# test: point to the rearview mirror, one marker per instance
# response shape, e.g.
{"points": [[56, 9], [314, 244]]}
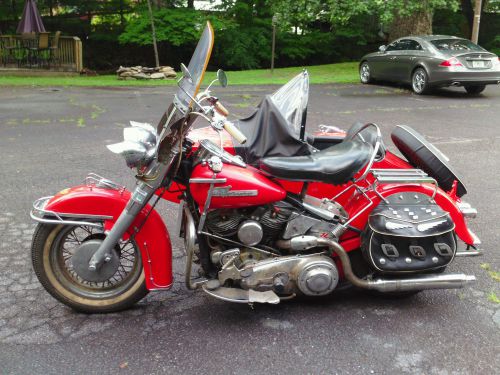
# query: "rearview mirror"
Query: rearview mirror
{"points": [[222, 77], [185, 72], [382, 48]]}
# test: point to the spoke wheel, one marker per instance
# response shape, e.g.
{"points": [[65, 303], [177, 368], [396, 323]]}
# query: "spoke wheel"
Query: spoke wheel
{"points": [[53, 252], [419, 81], [364, 73]]}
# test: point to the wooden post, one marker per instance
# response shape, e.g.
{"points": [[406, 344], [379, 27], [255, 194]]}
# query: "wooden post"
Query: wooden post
{"points": [[477, 21], [78, 54], [153, 31]]}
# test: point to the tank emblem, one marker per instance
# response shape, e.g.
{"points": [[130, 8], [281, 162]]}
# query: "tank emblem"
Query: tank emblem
{"points": [[225, 191]]}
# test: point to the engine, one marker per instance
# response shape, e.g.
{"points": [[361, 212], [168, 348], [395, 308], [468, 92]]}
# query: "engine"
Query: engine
{"points": [[257, 262], [252, 226]]}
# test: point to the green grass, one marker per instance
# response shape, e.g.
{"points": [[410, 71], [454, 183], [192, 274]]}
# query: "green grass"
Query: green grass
{"points": [[332, 73]]}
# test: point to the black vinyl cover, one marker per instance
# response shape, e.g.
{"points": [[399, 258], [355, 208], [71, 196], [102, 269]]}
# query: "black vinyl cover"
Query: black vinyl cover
{"points": [[269, 134], [422, 154]]}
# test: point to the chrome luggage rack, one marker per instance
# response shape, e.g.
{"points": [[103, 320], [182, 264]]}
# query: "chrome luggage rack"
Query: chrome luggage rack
{"points": [[403, 176]]}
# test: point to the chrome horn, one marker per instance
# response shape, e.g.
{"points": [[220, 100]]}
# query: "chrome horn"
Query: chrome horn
{"points": [[139, 144]]}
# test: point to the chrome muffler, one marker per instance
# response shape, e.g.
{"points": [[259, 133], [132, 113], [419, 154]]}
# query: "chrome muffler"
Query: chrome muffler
{"points": [[450, 281], [420, 282]]}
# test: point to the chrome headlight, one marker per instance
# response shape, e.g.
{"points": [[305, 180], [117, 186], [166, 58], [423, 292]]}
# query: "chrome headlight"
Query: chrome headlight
{"points": [[139, 145]]}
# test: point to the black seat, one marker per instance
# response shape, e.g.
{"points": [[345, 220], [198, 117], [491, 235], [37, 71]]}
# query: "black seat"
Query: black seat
{"points": [[335, 165]]}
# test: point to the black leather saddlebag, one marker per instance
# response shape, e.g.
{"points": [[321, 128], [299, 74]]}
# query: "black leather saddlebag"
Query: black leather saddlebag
{"points": [[409, 233]]}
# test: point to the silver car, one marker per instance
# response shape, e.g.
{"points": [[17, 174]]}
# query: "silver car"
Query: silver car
{"points": [[432, 61]]}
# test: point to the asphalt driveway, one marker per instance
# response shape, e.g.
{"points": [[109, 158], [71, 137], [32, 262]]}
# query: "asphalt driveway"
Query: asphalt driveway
{"points": [[50, 138]]}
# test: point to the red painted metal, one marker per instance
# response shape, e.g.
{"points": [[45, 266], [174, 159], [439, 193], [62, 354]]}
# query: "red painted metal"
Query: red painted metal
{"points": [[237, 178], [357, 202], [153, 239], [354, 203]]}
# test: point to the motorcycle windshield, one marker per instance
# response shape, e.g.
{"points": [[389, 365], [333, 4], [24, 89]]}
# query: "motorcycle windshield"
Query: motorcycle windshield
{"points": [[189, 87], [291, 100]]}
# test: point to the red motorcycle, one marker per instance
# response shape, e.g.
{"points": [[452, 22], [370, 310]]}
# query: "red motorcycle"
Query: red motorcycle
{"points": [[275, 214]]}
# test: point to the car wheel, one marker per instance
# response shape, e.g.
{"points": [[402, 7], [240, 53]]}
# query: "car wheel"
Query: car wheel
{"points": [[365, 73], [475, 90], [420, 81]]}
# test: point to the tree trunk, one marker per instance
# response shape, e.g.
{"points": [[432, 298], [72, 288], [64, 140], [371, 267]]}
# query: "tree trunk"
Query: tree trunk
{"points": [[190, 4], [418, 23], [13, 6], [153, 31]]}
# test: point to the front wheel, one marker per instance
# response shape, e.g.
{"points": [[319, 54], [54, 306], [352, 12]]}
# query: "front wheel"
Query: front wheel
{"points": [[420, 81], [57, 254], [475, 90]]}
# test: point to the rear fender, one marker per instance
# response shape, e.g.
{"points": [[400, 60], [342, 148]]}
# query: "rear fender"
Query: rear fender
{"points": [[358, 203], [153, 238]]}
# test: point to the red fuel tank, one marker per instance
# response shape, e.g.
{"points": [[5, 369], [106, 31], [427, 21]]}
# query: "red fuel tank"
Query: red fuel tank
{"points": [[243, 187]]}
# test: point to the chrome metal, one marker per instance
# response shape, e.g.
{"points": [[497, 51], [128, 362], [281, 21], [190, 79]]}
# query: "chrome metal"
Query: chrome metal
{"points": [[404, 176], [300, 243], [206, 207], [324, 214], [225, 191], [250, 232], [243, 296], [298, 225], [469, 253], [215, 163], [207, 180], [238, 243], [228, 256], [467, 210], [382, 261], [420, 282], [41, 215], [435, 259], [94, 179], [318, 278], [190, 244], [263, 274]]}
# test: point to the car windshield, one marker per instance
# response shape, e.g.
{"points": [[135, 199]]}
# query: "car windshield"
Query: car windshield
{"points": [[456, 45], [189, 87]]}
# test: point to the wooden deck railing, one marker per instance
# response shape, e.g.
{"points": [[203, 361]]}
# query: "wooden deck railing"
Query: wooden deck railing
{"points": [[68, 56]]}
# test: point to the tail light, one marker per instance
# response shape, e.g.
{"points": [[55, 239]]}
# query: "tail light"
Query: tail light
{"points": [[451, 62]]}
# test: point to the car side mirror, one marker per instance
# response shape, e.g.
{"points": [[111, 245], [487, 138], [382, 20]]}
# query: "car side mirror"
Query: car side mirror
{"points": [[382, 48]]}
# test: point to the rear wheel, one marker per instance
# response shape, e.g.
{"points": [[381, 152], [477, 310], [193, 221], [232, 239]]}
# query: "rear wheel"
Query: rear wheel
{"points": [[475, 89], [117, 285], [365, 73], [420, 81]]}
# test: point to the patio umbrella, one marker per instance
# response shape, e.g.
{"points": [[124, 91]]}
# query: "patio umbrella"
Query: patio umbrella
{"points": [[31, 20]]}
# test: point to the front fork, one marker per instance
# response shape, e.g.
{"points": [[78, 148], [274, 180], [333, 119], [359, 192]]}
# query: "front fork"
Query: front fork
{"points": [[139, 199]]}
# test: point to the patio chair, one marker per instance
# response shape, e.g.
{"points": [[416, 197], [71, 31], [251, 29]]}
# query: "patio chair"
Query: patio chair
{"points": [[9, 49], [54, 49], [28, 42], [41, 52]]}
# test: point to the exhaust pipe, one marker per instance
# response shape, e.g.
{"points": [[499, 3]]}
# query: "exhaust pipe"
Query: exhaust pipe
{"points": [[421, 282]]}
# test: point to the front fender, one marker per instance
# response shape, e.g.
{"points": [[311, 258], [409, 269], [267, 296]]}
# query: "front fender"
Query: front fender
{"points": [[153, 238], [358, 203]]}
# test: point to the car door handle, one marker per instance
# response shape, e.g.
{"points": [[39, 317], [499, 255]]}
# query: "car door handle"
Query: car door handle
{"points": [[412, 58], [392, 58]]}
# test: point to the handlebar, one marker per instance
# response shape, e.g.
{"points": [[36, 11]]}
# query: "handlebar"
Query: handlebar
{"points": [[221, 109], [235, 132]]}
